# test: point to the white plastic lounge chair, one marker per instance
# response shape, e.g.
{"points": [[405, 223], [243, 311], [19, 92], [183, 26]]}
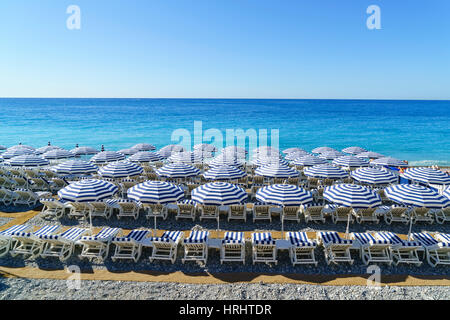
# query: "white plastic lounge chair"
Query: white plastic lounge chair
{"points": [[336, 249], [8, 197], [129, 246], [127, 208], [166, 246], [100, 209], [6, 239], [302, 248], [155, 210], [371, 249], [7, 183], [97, 246], [57, 184], [261, 211], [313, 212], [397, 213], [62, 245], [291, 213], [366, 215], [421, 215], [196, 246], [20, 182], [402, 251], [233, 247], [209, 212], [437, 251], [186, 209], [340, 214], [442, 215], [39, 184], [29, 198], [263, 248], [29, 243], [237, 212], [79, 210], [53, 207]]}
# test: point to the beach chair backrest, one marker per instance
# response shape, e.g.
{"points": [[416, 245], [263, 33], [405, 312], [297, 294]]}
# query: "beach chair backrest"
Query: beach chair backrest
{"points": [[197, 236], [364, 238], [297, 236], [237, 208], [290, 210], [398, 211], [443, 237], [367, 211], [421, 211], [258, 180], [343, 210], [390, 236], [137, 234], [107, 233], [233, 236], [15, 228], [171, 235], [261, 209], [425, 239], [45, 230], [262, 238], [209, 209]]}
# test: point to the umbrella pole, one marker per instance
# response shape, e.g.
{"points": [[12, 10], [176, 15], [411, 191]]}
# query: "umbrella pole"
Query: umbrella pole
{"points": [[410, 227], [154, 230], [90, 221], [348, 224]]}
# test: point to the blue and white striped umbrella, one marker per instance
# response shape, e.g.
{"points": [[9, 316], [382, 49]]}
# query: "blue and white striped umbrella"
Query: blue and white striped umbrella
{"points": [[373, 176], [264, 161], [120, 169], [128, 152], [354, 150], [28, 160], [322, 150], [219, 193], [352, 195], [45, 149], [88, 190], [307, 161], [369, 155], [144, 147], [177, 170], [325, 171], [417, 196], [276, 171], [224, 173], [284, 195], [156, 192], [350, 162], [75, 167], [224, 161], [186, 157], [292, 150], [107, 156], [8, 154], [21, 146], [296, 154], [170, 149], [330, 155], [81, 151], [388, 161], [447, 193], [205, 147], [58, 154], [145, 156], [427, 175]]}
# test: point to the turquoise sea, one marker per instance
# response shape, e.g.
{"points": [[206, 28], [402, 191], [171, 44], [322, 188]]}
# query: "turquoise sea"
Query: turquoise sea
{"points": [[417, 131]]}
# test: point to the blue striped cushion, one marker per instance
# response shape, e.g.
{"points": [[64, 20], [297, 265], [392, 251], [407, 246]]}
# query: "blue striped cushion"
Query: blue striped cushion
{"points": [[262, 238], [71, 234], [187, 201], [168, 236], [425, 239], [368, 239], [197, 237], [45, 230], [395, 239], [300, 239], [105, 233], [136, 235], [16, 228], [445, 237], [233, 237], [333, 237]]}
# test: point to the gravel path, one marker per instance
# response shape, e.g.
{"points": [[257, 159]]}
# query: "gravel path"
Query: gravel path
{"points": [[58, 289]]}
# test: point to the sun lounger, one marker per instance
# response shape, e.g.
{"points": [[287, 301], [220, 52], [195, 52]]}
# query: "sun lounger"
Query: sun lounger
{"points": [[233, 247], [97, 246], [20, 182], [6, 239], [291, 213], [196, 246], [7, 183], [261, 211], [29, 243], [155, 210], [79, 210], [301, 250], [371, 249], [53, 207], [186, 209], [8, 197], [397, 213], [313, 212], [57, 184], [336, 249], [166, 246], [442, 215], [29, 198], [263, 248], [402, 251], [421, 215], [437, 251], [129, 246], [62, 245], [366, 215], [209, 212], [39, 184], [237, 212], [318, 195], [127, 208], [100, 209], [341, 214]]}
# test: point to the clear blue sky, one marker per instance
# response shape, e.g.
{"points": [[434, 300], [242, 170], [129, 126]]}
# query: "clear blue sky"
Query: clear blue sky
{"points": [[226, 49]]}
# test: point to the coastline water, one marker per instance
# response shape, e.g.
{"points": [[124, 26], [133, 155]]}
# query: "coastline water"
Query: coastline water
{"points": [[417, 131]]}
